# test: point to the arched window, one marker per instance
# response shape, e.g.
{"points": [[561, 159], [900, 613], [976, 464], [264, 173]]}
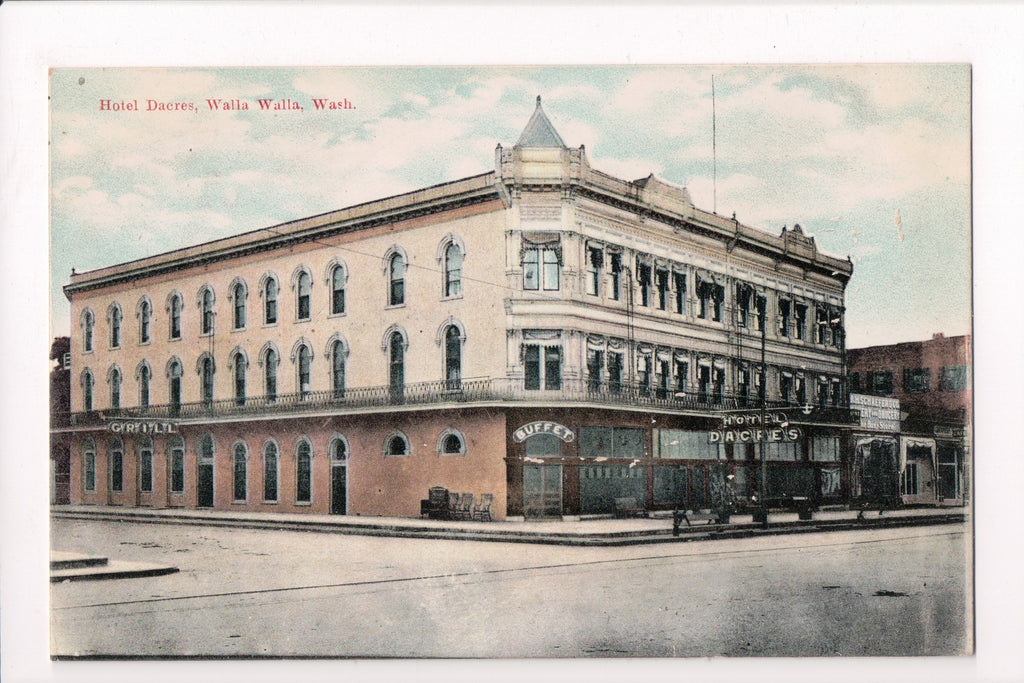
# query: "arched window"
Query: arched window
{"points": [[239, 366], [87, 385], [270, 363], [144, 374], [88, 324], [176, 464], [206, 371], [270, 472], [396, 364], [146, 465], [339, 450], [239, 293], [452, 442], [116, 465], [115, 317], [206, 301], [397, 444], [114, 379], [396, 280], [304, 360], [89, 465], [174, 307], [304, 288], [270, 301], [303, 472], [453, 270], [338, 353], [453, 357], [240, 483], [145, 316], [174, 373], [338, 290]]}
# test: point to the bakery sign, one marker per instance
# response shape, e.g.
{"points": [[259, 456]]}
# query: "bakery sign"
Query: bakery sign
{"points": [[544, 427]]}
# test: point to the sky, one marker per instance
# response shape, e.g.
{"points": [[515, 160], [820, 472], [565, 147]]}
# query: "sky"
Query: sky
{"points": [[872, 160]]}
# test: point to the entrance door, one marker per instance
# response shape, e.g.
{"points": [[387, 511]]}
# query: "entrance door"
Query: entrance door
{"points": [[205, 485], [338, 476], [542, 491]]}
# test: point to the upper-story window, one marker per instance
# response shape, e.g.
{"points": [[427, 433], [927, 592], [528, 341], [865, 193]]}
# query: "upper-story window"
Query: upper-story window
{"points": [[452, 357], [143, 373], [270, 289], [542, 367], [114, 379], [206, 301], [271, 360], [541, 267], [145, 313], [661, 277], [337, 278], [823, 387], [786, 386], [206, 372], [239, 294], [595, 257], [953, 378], [836, 325], [615, 274], [338, 353], [303, 295], [799, 320], [88, 326], [743, 294], [643, 282], [453, 271], [710, 297], [614, 372], [396, 364], [396, 280], [114, 316], [917, 380], [784, 317], [303, 358], [679, 290], [174, 372], [174, 306], [238, 366], [880, 382], [87, 386], [820, 324], [595, 367]]}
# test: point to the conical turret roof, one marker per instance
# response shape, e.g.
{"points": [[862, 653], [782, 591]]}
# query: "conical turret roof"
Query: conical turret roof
{"points": [[539, 132]]}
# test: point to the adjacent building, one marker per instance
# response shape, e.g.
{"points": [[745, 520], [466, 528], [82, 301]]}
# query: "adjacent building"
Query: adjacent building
{"points": [[931, 382], [541, 332]]}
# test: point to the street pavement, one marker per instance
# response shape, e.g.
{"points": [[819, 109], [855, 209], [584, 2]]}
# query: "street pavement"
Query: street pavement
{"points": [[244, 592]]}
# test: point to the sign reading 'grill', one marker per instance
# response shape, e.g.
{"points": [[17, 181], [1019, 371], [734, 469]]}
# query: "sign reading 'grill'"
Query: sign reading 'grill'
{"points": [[129, 427]]}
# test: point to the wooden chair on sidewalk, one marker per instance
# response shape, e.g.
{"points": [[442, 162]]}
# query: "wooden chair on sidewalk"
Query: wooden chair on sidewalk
{"points": [[482, 510]]}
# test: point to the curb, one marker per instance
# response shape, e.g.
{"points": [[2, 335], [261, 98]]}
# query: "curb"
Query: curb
{"points": [[603, 539]]}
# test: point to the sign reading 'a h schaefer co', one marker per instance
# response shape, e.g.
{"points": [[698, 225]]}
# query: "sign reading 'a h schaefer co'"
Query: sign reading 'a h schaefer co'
{"points": [[543, 427]]}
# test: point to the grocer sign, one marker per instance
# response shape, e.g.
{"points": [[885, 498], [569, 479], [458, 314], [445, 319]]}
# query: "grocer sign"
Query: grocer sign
{"points": [[141, 427], [544, 427]]}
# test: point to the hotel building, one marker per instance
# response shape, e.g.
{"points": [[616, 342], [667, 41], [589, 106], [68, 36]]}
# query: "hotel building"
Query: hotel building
{"points": [[541, 332]]}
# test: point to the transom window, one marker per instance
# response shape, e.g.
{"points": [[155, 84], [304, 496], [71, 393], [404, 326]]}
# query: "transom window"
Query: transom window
{"points": [[397, 444]]}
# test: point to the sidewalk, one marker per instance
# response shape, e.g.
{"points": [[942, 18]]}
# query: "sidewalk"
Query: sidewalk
{"points": [[582, 532]]}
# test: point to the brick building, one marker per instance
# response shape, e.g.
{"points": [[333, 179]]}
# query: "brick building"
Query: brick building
{"points": [[932, 381], [542, 333]]}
